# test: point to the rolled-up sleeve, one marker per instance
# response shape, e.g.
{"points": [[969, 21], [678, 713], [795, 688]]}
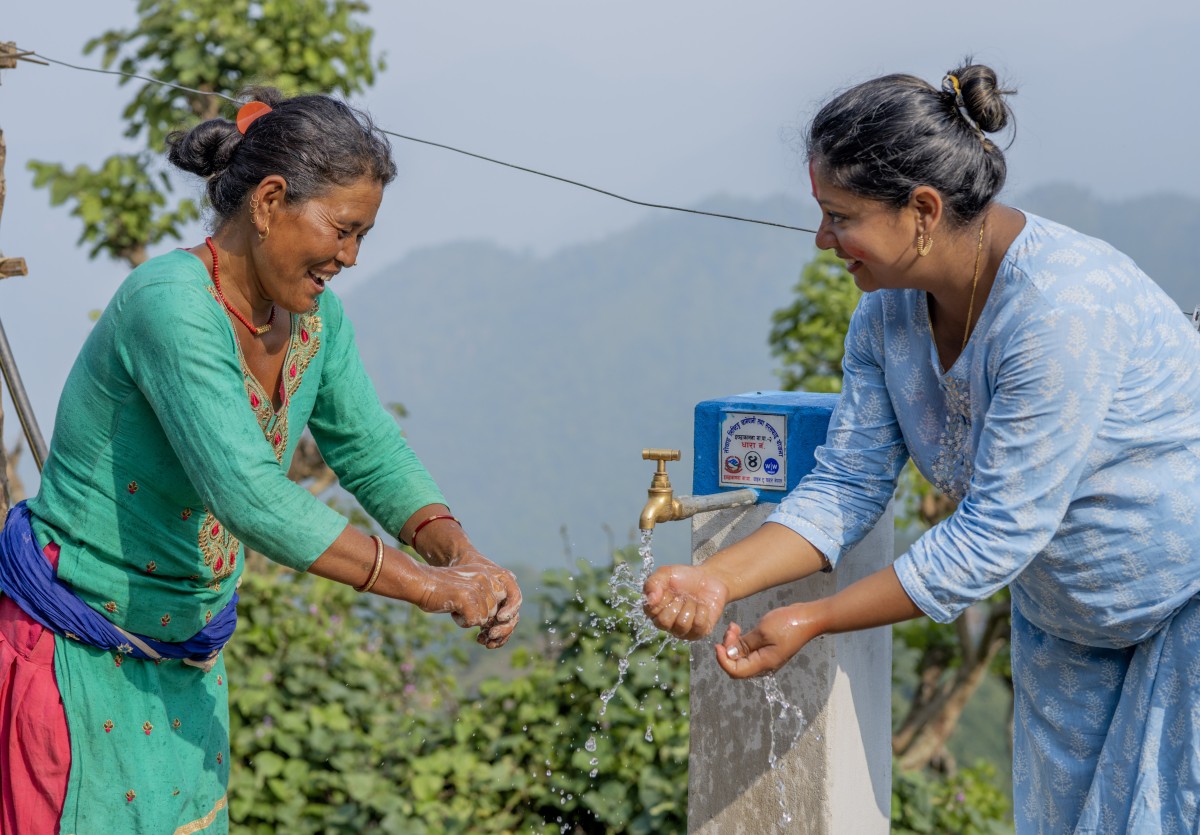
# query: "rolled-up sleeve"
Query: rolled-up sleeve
{"points": [[359, 438], [1053, 387], [839, 502], [177, 346]]}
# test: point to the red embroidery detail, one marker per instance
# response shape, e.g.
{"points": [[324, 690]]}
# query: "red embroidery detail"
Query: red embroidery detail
{"points": [[216, 543], [132, 487], [130, 795], [108, 726], [208, 616], [165, 619], [219, 681], [176, 725], [305, 344], [152, 566], [186, 514], [147, 727], [220, 758], [111, 607], [117, 660]]}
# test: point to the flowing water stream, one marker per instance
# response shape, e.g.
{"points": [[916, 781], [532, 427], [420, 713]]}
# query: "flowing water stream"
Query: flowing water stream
{"points": [[777, 700], [625, 598]]}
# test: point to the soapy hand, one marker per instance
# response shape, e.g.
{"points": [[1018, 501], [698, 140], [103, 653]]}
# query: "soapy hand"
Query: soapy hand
{"points": [[684, 600], [499, 628], [778, 636], [472, 594]]}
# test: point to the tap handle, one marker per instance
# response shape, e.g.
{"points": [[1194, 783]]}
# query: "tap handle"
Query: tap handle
{"points": [[660, 455]]}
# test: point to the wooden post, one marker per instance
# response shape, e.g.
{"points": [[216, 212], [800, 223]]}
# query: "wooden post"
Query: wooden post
{"points": [[9, 267]]}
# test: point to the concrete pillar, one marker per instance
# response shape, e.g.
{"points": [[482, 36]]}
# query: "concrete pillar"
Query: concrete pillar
{"points": [[832, 773]]}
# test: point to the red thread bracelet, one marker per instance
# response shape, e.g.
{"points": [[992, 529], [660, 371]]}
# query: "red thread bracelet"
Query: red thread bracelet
{"points": [[426, 521]]}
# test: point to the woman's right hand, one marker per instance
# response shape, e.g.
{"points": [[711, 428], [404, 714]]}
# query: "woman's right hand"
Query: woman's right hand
{"points": [[685, 600], [471, 594]]}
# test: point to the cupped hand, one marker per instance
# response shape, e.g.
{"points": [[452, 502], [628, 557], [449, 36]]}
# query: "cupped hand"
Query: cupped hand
{"points": [[498, 629], [778, 636], [685, 600]]}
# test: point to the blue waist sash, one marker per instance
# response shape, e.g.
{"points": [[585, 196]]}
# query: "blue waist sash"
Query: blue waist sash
{"points": [[28, 578]]}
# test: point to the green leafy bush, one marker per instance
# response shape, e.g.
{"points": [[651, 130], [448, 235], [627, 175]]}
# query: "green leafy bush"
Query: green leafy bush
{"points": [[347, 715], [966, 803]]}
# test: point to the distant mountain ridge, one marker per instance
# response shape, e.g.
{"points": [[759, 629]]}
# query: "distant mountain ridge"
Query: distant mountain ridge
{"points": [[533, 383]]}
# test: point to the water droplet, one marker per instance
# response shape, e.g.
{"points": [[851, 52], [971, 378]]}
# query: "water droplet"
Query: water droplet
{"points": [[649, 733], [590, 744]]}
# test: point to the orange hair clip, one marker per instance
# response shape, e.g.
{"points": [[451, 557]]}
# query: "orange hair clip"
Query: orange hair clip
{"points": [[248, 112]]}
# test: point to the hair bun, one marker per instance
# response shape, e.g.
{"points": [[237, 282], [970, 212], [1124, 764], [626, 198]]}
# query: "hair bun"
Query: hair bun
{"points": [[982, 96], [206, 148]]}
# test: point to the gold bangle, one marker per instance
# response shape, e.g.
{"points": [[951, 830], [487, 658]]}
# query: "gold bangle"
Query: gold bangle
{"points": [[365, 587]]}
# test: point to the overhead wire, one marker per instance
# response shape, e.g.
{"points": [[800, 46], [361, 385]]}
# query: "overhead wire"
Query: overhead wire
{"points": [[446, 147]]}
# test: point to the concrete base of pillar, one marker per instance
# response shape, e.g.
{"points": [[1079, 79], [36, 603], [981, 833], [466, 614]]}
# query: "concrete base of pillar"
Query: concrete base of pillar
{"points": [[833, 775]]}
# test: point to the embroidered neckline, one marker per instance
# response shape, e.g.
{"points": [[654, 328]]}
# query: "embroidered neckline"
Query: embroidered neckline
{"points": [[218, 547]]}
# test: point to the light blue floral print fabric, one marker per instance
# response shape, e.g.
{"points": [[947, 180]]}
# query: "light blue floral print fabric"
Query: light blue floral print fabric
{"points": [[1069, 433]]}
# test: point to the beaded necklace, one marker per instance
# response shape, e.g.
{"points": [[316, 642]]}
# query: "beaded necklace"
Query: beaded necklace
{"points": [[257, 331]]}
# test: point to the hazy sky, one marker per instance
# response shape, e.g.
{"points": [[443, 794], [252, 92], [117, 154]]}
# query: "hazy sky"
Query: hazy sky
{"points": [[666, 101]]}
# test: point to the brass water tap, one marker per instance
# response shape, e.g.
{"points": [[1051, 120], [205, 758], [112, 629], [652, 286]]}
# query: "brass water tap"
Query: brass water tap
{"points": [[661, 504]]}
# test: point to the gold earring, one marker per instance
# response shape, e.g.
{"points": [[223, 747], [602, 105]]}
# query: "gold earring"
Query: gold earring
{"points": [[924, 245], [262, 236], [253, 205]]}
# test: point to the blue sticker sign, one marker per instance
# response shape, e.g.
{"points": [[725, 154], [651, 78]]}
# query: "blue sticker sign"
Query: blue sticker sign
{"points": [[754, 451]]}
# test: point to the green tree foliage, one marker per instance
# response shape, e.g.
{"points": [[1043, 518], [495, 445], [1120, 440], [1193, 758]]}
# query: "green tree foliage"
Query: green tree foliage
{"points": [[214, 46], [807, 335], [348, 714]]}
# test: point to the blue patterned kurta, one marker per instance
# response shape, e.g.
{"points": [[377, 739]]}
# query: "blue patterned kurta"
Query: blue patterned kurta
{"points": [[1069, 432]]}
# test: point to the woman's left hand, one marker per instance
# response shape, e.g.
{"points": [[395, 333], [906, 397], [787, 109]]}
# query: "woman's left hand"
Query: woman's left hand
{"points": [[496, 632], [778, 636]]}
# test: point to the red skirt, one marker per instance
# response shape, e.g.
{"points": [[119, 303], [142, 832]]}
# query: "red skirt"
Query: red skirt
{"points": [[35, 750]]}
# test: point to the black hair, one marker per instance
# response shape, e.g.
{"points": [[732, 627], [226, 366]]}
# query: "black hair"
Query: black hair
{"points": [[315, 142], [883, 138]]}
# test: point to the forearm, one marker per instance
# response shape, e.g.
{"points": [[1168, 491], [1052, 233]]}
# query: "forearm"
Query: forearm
{"points": [[351, 560], [351, 557], [771, 556], [440, 541], [876, 600]]}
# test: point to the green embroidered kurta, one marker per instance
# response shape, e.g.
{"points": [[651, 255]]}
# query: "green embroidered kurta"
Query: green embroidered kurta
{"points": [[166, 457]]}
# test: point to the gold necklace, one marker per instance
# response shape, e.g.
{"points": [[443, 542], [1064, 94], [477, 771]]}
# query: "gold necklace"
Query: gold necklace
{"points": [[974, 284]]}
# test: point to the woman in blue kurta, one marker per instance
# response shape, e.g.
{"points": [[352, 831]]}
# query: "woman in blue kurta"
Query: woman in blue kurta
{"points": [[171, 449], [1037, 377]]}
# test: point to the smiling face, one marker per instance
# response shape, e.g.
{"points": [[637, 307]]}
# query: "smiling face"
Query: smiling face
{"points": [[311, 242], [874, 239]]}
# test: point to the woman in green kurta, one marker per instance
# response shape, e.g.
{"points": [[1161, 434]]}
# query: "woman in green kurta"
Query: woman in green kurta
{"points": [[171, 446]]}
